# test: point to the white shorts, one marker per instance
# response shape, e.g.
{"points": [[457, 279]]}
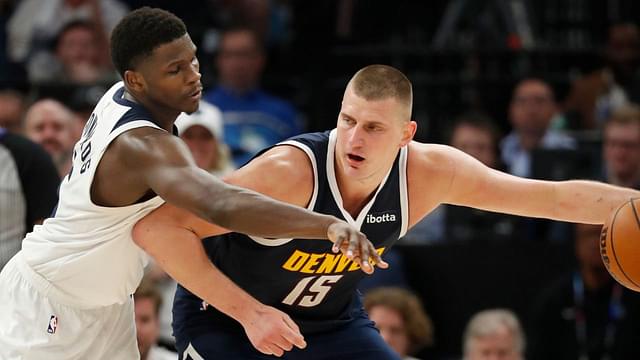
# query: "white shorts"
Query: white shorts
{"points": [[39, 322]]}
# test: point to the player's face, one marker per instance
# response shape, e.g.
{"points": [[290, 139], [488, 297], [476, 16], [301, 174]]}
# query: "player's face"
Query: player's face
{"points": [[172, 76], [147, 326], [369, 135], [392, 328]]}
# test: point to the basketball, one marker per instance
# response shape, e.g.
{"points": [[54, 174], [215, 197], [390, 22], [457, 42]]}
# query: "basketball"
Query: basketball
{"points": [[620, 244]]}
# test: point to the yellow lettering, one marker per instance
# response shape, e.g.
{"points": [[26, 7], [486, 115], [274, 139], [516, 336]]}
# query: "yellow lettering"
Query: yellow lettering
{"points": [[354, 266], [328, 263], [310, 263], [342, 263], [295, 261], [313, 261]]}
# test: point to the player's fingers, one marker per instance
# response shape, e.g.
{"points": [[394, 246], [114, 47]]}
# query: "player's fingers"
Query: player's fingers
{"points": [[264, 348], [353, 245], [376, 259], [275, 350], [338, 244], [281, 342], [365, 250], [381, 263], [293, 335]]}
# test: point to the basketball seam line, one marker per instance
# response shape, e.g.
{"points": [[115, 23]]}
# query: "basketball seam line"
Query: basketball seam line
{"points": [[635, 212], [613, 248]]}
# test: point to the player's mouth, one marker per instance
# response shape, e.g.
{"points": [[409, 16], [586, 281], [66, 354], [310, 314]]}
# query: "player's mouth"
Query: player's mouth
{"points": [[196, 94], [354, 160]]}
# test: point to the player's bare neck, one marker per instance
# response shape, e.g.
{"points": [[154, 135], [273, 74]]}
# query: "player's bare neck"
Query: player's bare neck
{"points": [[162, 118], [356, 194]]}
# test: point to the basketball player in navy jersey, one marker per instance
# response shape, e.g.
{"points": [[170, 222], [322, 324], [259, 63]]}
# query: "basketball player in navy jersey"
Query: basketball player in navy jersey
{"points": [[369, 172], [67, 293]]}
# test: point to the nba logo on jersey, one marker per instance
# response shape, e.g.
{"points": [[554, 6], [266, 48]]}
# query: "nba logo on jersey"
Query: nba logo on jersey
{"points": [[53, 324], [203, 306]]}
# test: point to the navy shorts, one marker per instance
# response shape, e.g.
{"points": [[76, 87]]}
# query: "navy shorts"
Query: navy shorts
{"points": [[356, 340]]}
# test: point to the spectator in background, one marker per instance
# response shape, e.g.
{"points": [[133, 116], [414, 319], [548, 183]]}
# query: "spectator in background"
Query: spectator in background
{"points": [[494, 334], [203, 133], [475, 134], [533, 107], [147, 302], [585, 314], [595, 96], [53, 126], [28, 190], [621, 147], [399, 316], [35, 22], [253, 119], [12, 108], [77, 57]]}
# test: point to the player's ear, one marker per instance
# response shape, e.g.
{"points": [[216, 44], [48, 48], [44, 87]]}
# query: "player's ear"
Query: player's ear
{"points": [[409, 131], [134, 80]]}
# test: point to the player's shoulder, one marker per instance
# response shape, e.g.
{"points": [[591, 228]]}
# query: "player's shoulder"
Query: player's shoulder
{"points": [[145, 145], [431, 153], [285, 158], [433, 161], [281, 168], [283, 172]]}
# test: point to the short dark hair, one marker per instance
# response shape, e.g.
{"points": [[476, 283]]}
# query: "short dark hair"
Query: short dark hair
{"points": [[378, 82], [139, 33]]}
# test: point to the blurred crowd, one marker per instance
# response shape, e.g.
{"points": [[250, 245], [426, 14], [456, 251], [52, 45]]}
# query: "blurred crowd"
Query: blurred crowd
{"points": [[269, 72]]}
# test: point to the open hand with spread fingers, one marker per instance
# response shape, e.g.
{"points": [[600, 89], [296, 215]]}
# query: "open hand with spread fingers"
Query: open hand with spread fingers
{"points": [[355, 246]]}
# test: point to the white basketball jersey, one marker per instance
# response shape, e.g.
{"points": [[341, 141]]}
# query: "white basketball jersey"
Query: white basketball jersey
{"points": [[85, 250]]}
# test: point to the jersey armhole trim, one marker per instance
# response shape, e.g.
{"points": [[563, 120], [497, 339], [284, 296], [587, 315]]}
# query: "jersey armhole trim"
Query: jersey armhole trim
{"points": [[312, 203]]}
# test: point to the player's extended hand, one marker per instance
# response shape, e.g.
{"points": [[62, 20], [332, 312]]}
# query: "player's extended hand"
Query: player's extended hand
{"points": [[272, 332], [355, 246]]}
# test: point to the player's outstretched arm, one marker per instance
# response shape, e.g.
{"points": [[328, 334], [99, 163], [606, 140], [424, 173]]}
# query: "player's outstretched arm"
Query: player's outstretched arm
{"points": [[473, 184], [180, 253], [248, 211]]}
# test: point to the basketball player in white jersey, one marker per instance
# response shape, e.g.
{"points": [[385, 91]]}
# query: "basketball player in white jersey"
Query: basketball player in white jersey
{"points": [[350, 168], [67, 293]]}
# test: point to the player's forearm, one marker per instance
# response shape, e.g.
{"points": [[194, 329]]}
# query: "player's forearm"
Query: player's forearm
{"points": [[180, 254], [589, 201], [235, 208], [251, 213]]}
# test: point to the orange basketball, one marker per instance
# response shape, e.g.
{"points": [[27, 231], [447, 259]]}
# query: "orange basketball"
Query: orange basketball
{"points": [[620, 244]]}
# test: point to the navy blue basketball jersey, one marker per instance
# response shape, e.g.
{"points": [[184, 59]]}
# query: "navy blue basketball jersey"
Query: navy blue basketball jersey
{"points": [[303, 277]]}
